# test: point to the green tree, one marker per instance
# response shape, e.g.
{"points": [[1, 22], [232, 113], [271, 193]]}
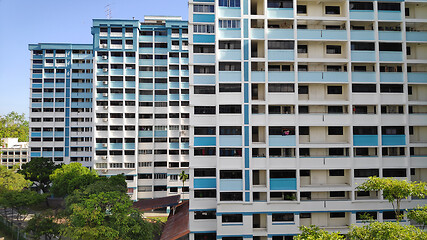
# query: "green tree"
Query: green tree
{"points": [[419, 215], [38, 171], [11, 180], [394, 190], [14, 125], [107, 215], [71, 177], [386, 230], [20, 201], [183, 177], [315, 233], [44, 224]]}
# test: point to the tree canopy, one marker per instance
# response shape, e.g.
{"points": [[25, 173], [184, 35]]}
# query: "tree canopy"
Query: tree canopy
{"points": [[386, 230], [38, 171], [14, 125], [315, 233], [10, 180], [71, 177]]}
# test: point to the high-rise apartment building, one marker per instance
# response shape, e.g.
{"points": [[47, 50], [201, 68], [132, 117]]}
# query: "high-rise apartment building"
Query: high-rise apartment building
{"points": [[141, 103], [293, 104], [61, 102], [13, 152]]}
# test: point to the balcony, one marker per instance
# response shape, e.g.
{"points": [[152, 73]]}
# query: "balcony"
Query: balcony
{"points": [[281, 55], [230, 184], [230, 76], [393, 140], [416, 36], [336, 77], [258, 76], [362, 35], [228, 54], [210, 58], [396, 77], [362, 14], [278, 140], [390, 56], [229, 33], [224, 12], [280, 33], [230, 140], [390, 15], [283, 183], [257, 33], [319, 34], [363, 56], [280, 12], [363, 77], [277, 76], [365, 140], [417, 77], [390, 35]]}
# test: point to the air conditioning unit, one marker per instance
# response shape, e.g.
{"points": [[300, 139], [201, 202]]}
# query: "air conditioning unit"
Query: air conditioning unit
{"points": [[181, 133], [105, 107], [105, 119], [105, 57], [104, 157], [105, 171], [105, 70], [105, 82], [104, 45], [105, 145], [105, 94]]}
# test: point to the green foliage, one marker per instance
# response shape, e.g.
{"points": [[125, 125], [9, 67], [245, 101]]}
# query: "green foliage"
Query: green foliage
{"points": [[315, 233], [20, 201], [386, 230], [395, 190], [107, 215], [419, 215], [10, 180], [71, 177], [43, 224], [38, 170], [14, 125]]}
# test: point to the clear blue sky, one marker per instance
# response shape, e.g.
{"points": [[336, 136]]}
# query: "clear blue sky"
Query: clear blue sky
{"points": [[40, 21]]}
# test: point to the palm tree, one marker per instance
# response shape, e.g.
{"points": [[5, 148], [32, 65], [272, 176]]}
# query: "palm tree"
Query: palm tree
{"points": [[183, 177]]}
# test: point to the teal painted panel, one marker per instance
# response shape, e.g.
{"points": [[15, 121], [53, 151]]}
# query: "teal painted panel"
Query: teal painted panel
{"points": [[224, 12], [389, 15], [204, 141], [280, 12], [247, 180], [245, 28], [116, 60], [281, 55], [207, 58], [160, 133], [246, 71], [363, 56], [116, 96], [416, 36], [257, 33], [230, 140], [199, 38], [204, 182], [391, 77], [129, 96], [204, 79], [145, 134], [227, 54], [322, 76], [210, 18], [257, 76], [361, 14], [280, 33], [230, 76], [185, 85], [129, 146], [390, 56], [161, 98], [116, 146], [365, 140], [283, 184], [117, 84], [274, 76], [145, 85], [160, 86], [417, 77], [393, 140], [278, 140], [229, 33], [231, 184], [363, 77], [174, 145], [161, 62], [390, 35]]}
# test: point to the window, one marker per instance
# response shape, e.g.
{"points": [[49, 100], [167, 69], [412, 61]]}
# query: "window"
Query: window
{"points": [[204, 214], [302, 49], [388, 6], [280, 87], [332, 10], [284, 131], [229, 24], [203, 8], [283, 217], [393, 151], [397, 47], [335, 130], [334, 89], [304, 130], [230, 66], [231, 196], [204, 110], [364, 173], [337, 215], [204, 151], [204, 172], [391, 88], [302, 89], [204, 89], [392, 109], [204, 130], [232, 218], [366, 215], [230, 87], [203, 49], [393, 130], [337, 194], [363, 46], [333, 49], [230, 174], [205, 236], [394, 172], [204, 69], [365, 130], [364, 88], [204, 28], [361, 6], [230, 109], [229, 45], [229, 3], [301, 9], [230, 152], [282, 174], [229, 130], [280, 44], [335, 173]]}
